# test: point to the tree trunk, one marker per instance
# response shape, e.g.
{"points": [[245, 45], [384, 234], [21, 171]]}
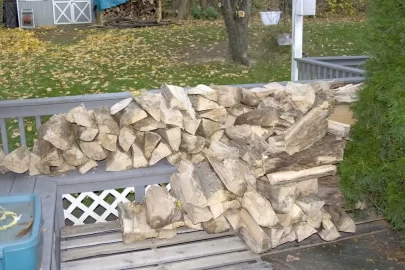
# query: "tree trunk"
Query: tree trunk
{"points": [[237, 28], [182, 9], [203, 4]]}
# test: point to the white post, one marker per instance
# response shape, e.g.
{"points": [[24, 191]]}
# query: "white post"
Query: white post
{"points": [[297, 37]]}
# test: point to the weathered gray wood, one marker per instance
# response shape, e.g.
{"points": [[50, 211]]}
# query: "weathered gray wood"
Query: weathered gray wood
{"points": [[6, 183], [23, 184], [164, 255], [21, 127], [248, 266], [92, 229], [75, 252], [267, 117], [18, 161], [38, 121], [139, 193], [4, 139]]}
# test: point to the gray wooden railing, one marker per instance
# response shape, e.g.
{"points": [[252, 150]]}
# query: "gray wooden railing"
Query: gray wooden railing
{"points": [[326, 68]]}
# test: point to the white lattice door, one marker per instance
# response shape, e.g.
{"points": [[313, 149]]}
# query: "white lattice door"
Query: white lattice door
{"points": [[72, 11]]}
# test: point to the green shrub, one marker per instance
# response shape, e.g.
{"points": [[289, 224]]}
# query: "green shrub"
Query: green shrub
{"points": [[204, 14], [374, 165]]}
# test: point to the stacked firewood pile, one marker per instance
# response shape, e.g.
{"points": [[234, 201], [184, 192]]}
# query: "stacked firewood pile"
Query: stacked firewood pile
{"points": [[249, 160], [139, 10]]}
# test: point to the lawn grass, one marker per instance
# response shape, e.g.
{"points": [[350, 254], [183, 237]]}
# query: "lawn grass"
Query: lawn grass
{"points": [[60, 62]]}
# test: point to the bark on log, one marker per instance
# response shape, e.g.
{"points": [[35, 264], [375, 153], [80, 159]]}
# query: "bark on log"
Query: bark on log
{"points": [[80, 116], [176, 98], [150, 103], [138, 158], [134, 226], [297, 176], [310, 129], [108, 141], [18, 161], [172, 137], [254, 236], [217, 225], [159, 153], [151, 141], [228, 96], [260, 117], [161, 208], [93, 150], [59, 132], [208, 128], [302, 95], [105, 122], [148, 124], [191, 144], [126, 138], [204, 91], [74, 156], [341, 219], [282, 197], [201, 103], [219, 115], [118, 161], [90, 164], [259, 208]]}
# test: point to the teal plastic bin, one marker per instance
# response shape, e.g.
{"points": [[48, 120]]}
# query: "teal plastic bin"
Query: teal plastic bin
{"points": [[21, 253]]}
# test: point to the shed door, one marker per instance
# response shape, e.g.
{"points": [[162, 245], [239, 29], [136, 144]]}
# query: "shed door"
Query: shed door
{"points": [[71, 11]]}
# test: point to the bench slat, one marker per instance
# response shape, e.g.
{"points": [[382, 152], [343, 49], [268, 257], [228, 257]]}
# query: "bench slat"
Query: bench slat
{"points": [[6, 183], [92, 229], [4, 139], [105, 248]]}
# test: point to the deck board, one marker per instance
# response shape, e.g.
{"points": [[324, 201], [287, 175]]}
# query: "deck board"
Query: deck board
{"points": [[6, 183], [80, 230], [23, 184]]}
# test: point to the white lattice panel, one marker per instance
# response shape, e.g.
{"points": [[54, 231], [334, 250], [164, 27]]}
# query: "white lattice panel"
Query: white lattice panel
{"points": [[88, 202]]}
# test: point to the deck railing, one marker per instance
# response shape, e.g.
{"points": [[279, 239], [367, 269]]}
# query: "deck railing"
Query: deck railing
{"points": [[325, 68]]}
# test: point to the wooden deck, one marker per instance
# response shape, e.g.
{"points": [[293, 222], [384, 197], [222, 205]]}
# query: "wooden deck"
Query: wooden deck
{"points": [[99, 246]]}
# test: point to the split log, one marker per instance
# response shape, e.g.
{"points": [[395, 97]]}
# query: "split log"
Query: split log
{"points": [[249, 98], [4, 170], [148, 124], [62, 168], [201, 103], [347, 93], [233, 218], [87, 134], [18, 161], [260, 117], [74, 156], [161, 208], [160, 152], [176, 98], [338, 129], [268, 89], [119, 106], [204, 91], [275, 233], [282, 197], [118, 161], [293, 216], [329, 231], [131, 114], [59, 132], [259, 208], [217, 136], [138, 158], [219, 115], [217, 225], [150, 103], [196, 214], [219, 208], [191, 186], [245, 133], [106, 123], [170, 116], [90, 164], [190, 125], [280, 102], [208, 128], [302, 95], [80, 116], [303, 231], [251, 180], [166, 233], [307, 187], [326, 151], [228, 96], [230, 121], [108, 141], [288, 236], [48, 153], [35, 167], [174, 159], [230, 173], [93, 150], [171, 136], [222, 151], [310, 205], [189, 224], [297, 176], [134, 226], [316, 220], [341, 219], [151, 141], [239, 109], [254, 236], [191, 144], [310, 129], [197, 158], [126, 138]]}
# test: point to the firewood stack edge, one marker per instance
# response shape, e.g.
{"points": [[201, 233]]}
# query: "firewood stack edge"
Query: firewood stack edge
{"points": [[248, 160]]}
